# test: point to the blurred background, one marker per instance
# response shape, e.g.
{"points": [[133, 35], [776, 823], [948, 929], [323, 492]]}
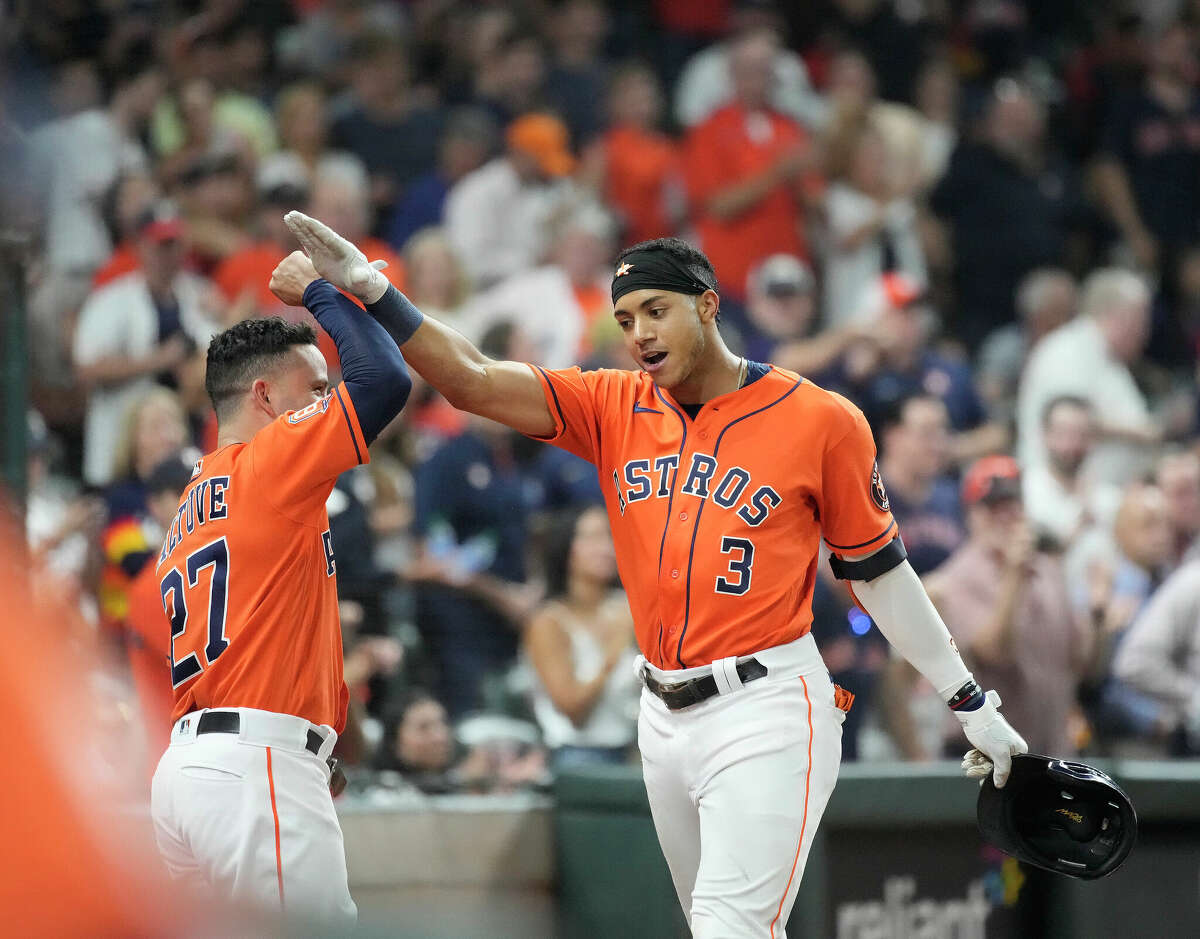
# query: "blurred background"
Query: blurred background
{"points": [[978, 219]]}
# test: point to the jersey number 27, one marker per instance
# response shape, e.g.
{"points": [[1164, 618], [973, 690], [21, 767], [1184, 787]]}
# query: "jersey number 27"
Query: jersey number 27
{"points": [[215, 554]]}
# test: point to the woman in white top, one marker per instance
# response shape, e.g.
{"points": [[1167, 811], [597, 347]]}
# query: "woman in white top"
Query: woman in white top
{"points": [[872, 227], [580, 646]]}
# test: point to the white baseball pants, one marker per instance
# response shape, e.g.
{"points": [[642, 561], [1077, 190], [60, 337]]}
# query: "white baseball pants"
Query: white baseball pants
{"points": [[737, 786], [249, 816]]}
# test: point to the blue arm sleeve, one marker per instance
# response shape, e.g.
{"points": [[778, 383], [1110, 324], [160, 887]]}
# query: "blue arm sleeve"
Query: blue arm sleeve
{"points": [[373, 369]]}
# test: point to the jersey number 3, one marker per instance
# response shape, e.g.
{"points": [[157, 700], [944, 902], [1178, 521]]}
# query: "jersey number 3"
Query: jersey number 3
{"points": [[742, 565], [215, 554]]}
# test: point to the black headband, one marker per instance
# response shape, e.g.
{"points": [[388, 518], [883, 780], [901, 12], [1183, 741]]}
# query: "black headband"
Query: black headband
{"points": [[651, 268]]}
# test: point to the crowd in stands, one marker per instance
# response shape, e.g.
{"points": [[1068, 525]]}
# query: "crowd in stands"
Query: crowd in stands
{"points": [[980, 221]]}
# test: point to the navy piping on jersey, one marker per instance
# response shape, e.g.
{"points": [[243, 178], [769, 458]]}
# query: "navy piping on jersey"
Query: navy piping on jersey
{"points": [[349, 423], [687, 602], [671, 494], [549, 384], [851, 547]]}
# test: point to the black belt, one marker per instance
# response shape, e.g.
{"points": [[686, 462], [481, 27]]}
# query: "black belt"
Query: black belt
{"points": [[230, 722], [683, 694]]}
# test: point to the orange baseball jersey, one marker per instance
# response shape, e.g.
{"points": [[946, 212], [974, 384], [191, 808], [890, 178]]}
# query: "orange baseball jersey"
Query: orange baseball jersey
{"points": [[247, 574], [717, 521]]}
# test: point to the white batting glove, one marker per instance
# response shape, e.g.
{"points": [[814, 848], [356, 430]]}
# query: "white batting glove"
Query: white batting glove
{"points": [[994, 740], [337, 260]]}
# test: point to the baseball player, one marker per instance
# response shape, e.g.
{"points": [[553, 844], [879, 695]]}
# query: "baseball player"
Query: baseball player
{"points": [[241, 798], [721, 478]]}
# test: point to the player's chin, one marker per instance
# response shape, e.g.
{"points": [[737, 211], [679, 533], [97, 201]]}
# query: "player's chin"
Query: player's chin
{"points": [[662, 371]]}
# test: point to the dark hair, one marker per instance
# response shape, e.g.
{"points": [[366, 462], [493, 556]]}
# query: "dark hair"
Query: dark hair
{"points": [[386, 757], [696, 262], [891, 414], [1071, 400], [559, 536], [246, 351], [136, 59]]}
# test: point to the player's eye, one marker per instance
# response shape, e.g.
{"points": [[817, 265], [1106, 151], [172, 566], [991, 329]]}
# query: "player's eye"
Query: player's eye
{"points": [[625, 324]]}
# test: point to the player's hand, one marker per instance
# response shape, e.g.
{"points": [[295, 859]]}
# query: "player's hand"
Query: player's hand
{"points": [[337, 260], [291, 278], [994, 740]]}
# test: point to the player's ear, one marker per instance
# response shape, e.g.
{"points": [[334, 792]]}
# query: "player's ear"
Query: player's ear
{"points": [[707, 305], [261, 393]]}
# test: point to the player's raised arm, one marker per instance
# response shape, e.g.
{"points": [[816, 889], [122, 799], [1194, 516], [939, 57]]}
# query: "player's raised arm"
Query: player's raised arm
{"points": [[507, 392]]}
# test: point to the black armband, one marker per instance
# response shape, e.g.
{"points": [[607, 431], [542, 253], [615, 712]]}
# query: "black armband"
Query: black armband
{"points": [[968, 698], [890, 556]]}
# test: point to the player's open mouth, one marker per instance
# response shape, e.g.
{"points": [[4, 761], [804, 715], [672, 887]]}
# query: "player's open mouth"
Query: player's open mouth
{"points": [[652, 361]]}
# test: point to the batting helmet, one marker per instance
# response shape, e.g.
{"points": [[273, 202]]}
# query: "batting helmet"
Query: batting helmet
{"points": [[1065, 817]]}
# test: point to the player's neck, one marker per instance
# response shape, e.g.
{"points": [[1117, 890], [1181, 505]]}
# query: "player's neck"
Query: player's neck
{"points": [[240, 429], [718, 372]]}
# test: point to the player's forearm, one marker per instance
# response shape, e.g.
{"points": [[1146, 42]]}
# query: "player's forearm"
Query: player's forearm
{"points": [[905, 615], [373, 369], [506, 392]]}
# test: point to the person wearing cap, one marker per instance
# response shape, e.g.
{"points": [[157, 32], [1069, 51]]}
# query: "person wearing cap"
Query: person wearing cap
{"points": [[497, 217], [721, 479], [139, 330], [780, 306], [1007, 606]]}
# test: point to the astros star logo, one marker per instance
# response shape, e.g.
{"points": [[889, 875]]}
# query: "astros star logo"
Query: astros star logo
{"points": [[624, 269]]}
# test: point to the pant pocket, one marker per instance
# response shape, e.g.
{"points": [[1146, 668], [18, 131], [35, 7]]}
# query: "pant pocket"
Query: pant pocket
{"points": [[210, 773]]}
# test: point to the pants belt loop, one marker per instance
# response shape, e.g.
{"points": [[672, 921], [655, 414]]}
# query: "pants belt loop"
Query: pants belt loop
{"points": [[725, 674]]}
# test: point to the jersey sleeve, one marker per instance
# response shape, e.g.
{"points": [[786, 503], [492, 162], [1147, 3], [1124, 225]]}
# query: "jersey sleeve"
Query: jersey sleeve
{"points": [[856, 517], [575, 399], [297, 458]]}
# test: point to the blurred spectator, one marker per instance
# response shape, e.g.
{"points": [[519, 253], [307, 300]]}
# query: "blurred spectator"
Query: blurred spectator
{"points": [[77, 160], [496, 216], [893, 38], [575, 81], [1011, 206], [139, 330], [748, 170], [1149, 171], [468, 139], [707, 81], [1090, 357], [1160, 655], [559, 302], [634, 165], [131, 197], [936, 97], [302, 116], [215, 195], [471, 569], [914, 434], [872, 227], [579, 643], [61, 524], [1060, 499], [419, 744], [780, 310], [1046, 299], [386, 126], [1178, 476], [510, 77], [202, 137], [1006, 605]]}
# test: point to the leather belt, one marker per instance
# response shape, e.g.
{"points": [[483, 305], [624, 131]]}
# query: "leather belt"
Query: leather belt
{"points": [[230, 722], [683, 694]]}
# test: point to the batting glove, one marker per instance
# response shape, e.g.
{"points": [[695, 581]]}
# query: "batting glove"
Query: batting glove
{"points": [[337, 260], [994, 740]]}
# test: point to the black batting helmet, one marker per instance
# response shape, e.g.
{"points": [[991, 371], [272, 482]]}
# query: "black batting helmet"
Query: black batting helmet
{"points": [[1062, 816]]}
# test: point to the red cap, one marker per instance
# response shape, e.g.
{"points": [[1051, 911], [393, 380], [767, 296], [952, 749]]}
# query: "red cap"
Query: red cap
{"points": [[161, 222], [992, 479]]}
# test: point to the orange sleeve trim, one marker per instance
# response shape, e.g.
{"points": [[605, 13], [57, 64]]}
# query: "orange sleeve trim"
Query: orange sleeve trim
{"points": [[275, 816], [804, 817]]}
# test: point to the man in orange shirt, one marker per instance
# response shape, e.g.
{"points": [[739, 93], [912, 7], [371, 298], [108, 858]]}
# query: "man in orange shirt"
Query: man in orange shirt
{"points": [[721, 479], [247, 578], [748, 171]]}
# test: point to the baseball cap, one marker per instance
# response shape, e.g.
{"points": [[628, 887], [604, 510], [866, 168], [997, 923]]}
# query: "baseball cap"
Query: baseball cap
{"points": [[992, 479], [545, 138], [161, 222], [782, 275]]}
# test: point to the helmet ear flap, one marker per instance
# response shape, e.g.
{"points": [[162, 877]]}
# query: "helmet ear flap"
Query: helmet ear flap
{"points": [[1062, 816]]}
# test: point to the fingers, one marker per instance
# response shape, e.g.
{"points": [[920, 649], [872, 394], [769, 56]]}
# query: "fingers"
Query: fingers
{"points": [[1003, 766]]}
